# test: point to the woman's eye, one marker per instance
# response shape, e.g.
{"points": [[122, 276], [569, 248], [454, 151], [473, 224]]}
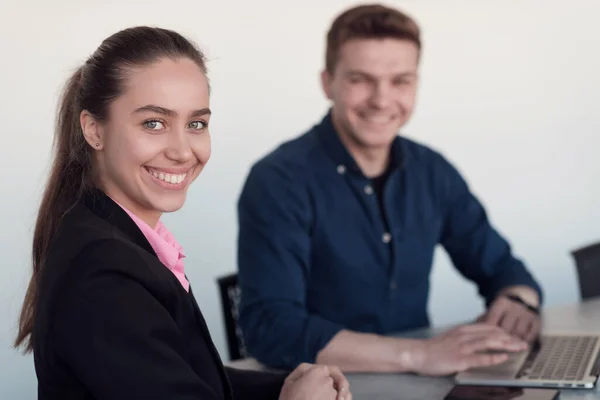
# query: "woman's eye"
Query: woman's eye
{"points": [[198, 125], [154, 125]]}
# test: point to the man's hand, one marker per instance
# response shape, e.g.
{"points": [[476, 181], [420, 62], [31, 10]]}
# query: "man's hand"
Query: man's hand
{"points": [[462, 348], [514, 318]]}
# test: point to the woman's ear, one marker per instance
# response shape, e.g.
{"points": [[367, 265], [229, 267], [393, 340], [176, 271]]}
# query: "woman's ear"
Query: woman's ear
{"points": [[92, 131]]}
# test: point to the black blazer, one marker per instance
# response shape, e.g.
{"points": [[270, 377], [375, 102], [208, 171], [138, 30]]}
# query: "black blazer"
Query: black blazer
{"points": [[112, 322]]}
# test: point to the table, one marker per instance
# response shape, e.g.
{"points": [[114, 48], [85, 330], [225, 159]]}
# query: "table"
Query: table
{"points": [[583, 317]]}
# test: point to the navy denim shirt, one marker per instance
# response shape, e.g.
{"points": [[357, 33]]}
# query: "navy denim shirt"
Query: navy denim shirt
{"points": [[315, 255]]}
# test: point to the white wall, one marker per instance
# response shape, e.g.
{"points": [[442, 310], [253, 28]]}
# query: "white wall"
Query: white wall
{"points": [[510, 91]]}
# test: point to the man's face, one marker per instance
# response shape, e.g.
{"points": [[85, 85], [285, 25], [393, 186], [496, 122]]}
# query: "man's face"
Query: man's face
{"points": [[373, 89]]}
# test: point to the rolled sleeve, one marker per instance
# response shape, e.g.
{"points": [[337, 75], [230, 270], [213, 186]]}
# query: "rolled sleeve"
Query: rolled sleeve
{"points": [[477, 250], [274, 249]]}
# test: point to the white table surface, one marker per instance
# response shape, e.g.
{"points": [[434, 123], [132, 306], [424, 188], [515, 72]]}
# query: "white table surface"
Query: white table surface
{"points": [[584, 317]]}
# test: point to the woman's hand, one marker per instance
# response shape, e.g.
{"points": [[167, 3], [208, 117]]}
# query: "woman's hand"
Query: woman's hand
{"points": [[316, 382]]}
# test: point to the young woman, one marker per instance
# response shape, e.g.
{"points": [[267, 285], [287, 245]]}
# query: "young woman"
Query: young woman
{"points": [[109, 313]]}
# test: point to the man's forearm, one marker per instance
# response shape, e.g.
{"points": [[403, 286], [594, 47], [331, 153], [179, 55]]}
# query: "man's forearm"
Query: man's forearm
{"points": [[364, 352]]}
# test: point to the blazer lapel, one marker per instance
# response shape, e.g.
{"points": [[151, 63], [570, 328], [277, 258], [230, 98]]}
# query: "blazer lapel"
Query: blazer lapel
{"points": [[104, 207]]}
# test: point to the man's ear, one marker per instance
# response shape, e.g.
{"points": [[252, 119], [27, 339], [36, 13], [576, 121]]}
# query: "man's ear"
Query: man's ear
{"points": [[326, 83], [92, 131]]}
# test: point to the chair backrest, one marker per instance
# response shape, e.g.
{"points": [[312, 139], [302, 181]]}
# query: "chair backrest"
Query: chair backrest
{"points": [[587, 261], [230, 301]]}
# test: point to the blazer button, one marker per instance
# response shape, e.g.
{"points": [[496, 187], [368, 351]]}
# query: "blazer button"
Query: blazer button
{"points": [[386, 237]]}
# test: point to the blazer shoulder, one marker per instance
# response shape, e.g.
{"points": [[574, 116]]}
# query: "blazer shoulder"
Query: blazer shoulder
{"points": [[83, 237], [113, 255]]}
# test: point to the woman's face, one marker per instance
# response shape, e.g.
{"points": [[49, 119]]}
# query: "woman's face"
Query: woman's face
{"points": [[155, 141]]}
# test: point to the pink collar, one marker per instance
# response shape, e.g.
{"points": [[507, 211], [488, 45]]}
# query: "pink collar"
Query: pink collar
{"points": [[168, 250]]}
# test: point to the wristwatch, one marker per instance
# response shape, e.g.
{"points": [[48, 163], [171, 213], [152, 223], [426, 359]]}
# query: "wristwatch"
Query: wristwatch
{"points": [[517, 299]]}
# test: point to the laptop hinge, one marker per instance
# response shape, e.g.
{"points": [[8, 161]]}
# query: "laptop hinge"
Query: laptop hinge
{"points": [[596, 368]]}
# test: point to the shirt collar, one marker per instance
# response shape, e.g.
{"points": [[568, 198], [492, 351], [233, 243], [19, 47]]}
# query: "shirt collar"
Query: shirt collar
{"points": [[164, 244], [336, 150]]}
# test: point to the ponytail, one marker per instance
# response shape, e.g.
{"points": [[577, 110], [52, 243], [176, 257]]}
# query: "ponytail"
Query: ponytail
{"points": [[69, 177]]}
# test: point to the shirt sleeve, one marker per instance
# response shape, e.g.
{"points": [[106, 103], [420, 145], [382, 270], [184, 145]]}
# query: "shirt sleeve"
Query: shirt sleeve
{"points": [[115, 335], [476, 249], [274, 246]]}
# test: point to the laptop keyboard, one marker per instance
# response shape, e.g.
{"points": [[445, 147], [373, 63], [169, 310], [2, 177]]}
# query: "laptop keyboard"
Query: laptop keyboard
{"points": [[561, 358]]}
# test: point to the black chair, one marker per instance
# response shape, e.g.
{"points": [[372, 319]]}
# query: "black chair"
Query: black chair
{"points": [[587, 261], [230, 301]]}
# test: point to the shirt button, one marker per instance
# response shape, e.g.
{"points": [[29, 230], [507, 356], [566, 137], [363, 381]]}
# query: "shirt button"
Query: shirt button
{"points": [[341, 169], [393, 285], [368, 190], [386, 237]]}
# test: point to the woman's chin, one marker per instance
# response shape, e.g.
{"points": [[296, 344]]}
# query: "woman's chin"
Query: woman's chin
{"points": [[169, 205]]}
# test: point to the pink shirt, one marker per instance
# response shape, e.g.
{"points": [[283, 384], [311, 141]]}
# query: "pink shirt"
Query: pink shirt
{"points": [[168, 250]]}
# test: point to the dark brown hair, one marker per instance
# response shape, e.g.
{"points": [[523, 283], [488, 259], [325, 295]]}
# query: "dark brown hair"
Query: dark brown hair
{"points": [[369, 21], [92, 87]]}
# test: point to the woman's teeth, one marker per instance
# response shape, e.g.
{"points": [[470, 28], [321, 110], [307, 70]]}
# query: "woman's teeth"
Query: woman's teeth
{"points": [[169, 178]]}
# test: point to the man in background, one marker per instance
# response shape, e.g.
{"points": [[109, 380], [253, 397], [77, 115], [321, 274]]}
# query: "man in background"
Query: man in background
{"points": [[338, 227]]}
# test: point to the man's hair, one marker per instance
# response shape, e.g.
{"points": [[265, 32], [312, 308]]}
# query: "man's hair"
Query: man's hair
{"points": [[369, 21]]}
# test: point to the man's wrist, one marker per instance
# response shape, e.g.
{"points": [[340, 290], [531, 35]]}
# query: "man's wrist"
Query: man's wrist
{"points": [[410, 354], [527, 295], [522, 302]]}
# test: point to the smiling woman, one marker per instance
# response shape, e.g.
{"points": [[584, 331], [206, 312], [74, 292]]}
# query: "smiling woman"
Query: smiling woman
{"points": [[156, 141], [109, 313]]}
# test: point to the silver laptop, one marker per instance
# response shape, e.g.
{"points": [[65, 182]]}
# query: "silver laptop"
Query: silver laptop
{"points": [[558, 360]]}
